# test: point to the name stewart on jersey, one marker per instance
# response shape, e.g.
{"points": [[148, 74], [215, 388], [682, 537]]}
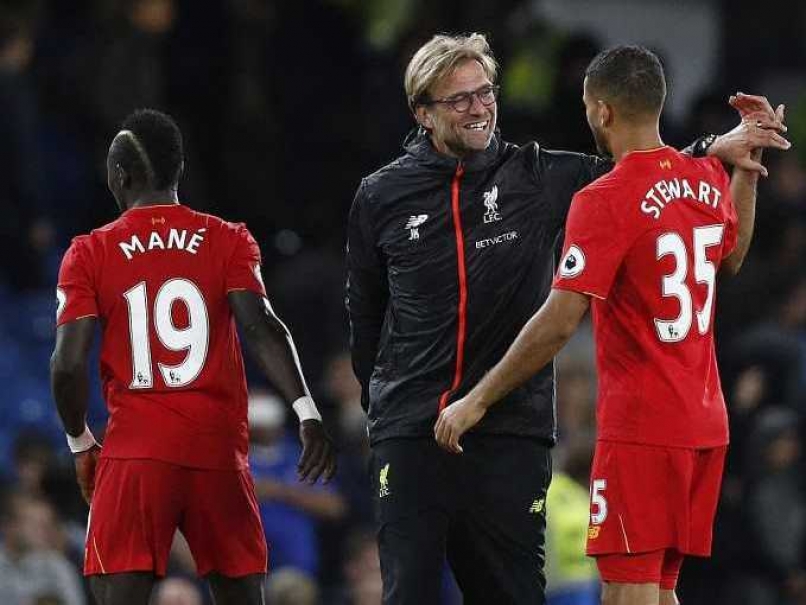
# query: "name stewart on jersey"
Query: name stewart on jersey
{"points": [[177, 239], [666, 191]]}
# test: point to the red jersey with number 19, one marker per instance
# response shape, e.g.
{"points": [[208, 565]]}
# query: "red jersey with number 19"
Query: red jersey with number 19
{"points": [[645, 242], [171, 365]]}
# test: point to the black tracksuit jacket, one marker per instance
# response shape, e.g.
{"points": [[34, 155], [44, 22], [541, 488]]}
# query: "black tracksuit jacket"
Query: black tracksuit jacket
{"points": [[446, 262]]}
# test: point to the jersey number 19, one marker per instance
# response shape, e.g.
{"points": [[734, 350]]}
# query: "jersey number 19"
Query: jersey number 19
{"points": [[194, 338]]}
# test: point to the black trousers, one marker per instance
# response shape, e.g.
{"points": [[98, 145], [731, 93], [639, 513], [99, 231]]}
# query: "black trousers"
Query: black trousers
{"points": [[484, 510]]}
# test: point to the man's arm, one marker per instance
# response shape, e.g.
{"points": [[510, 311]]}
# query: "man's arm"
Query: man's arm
{"points": [[269, 342], [69, 372], [563, 173], [366, 293], [761, 127], [272, 348], [560, 174], [754, 111], [743, 192], [538, 342], [69, 382]]}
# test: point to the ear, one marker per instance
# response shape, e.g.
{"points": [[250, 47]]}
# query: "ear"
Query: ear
{"points": [[606, 114], [423, 117], [122, 177]]}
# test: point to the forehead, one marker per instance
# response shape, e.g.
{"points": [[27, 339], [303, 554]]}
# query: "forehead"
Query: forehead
{"points": [[468, 75]]}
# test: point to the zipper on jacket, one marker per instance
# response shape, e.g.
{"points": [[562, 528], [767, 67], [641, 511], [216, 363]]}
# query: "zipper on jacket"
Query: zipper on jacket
{"points": [[462, 271]]}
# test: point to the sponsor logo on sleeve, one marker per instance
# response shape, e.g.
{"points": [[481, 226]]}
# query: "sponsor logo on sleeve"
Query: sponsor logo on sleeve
{"points": [[573, 262], [61, 299]]}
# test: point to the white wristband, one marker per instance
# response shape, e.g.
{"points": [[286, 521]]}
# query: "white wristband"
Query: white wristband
{"points": [[83, 442], [306, 409]]}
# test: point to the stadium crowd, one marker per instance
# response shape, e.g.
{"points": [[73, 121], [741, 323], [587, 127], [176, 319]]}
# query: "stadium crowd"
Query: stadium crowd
{"points": [[284, 105]]}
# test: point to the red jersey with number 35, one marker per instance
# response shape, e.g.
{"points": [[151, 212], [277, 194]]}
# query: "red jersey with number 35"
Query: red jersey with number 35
{"points": [[645, 242], [171, 365]]}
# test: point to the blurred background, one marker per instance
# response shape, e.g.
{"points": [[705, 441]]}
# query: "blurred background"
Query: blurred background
{"points": [[284, 106]]}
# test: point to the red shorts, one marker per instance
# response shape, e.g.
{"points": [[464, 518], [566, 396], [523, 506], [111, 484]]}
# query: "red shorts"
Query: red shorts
{"points": [[657, 567], [138, 505], [648, 498]]}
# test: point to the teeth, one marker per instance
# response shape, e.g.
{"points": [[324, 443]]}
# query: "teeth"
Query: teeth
{"points": [[477, 126]]}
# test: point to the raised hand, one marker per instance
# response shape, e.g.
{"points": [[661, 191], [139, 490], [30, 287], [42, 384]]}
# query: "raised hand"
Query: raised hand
{"points": [[757, 108], [760, 128]]}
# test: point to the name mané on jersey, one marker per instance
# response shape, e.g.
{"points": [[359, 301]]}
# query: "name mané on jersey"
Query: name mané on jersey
{"points": [[177, 239]]}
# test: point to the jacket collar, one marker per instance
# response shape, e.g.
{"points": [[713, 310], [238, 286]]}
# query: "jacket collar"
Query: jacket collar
{"points": [[418, 144]]}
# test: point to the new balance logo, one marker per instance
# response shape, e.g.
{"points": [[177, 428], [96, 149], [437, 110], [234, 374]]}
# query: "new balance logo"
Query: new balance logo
{"points": [[666, 164], [413, 225], [537, 506], [491, 202]]}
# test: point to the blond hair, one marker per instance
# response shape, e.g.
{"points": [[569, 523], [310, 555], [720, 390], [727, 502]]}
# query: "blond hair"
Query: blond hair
{"points": [[439, 56]]}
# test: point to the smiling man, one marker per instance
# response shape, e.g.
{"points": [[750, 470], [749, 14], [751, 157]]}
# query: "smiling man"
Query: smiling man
{"points": [[451, 251]]}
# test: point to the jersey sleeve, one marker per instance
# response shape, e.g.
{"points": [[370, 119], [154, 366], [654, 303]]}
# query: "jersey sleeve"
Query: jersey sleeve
{"points": [[595, 245], [243, 270], [75, 293]]}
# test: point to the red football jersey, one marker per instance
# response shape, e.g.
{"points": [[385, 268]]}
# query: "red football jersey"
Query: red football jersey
{"points": [[171, 365], [645, 242]]}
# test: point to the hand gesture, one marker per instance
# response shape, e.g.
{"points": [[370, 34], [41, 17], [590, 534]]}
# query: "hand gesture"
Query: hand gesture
{"points": [[85, 471], [454, 421], [758, 109], [760, 128], [318, 458]]}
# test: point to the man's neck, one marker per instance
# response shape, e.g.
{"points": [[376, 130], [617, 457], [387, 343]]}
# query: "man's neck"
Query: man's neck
{"points": [[638, 138], [443, 149], [155, 198]]}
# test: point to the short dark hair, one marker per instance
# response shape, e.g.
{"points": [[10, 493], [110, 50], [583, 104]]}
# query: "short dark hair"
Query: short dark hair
{"points": [[630, 77], [160, 153]]}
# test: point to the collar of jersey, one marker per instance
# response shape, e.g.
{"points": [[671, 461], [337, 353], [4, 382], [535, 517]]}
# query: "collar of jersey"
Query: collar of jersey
{"points": [[161, 207], [639, 153]]}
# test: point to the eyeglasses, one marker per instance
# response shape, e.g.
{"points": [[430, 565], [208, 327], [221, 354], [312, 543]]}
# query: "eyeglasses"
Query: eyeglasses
{"points": [[463, 101]]}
